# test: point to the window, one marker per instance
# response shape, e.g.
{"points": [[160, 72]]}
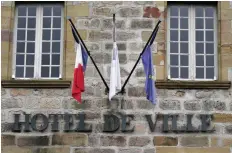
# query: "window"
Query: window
{"points": [[38, 41], [192, 42]]}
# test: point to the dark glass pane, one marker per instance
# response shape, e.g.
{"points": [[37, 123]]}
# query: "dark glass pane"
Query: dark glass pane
{"points": [[29, 72], [19, 59], [199, 24], [55, 34], [31, 35], [56, 59], [199, 60], [183, 35], [174, 72], [56, 47], [57, 11], [47, 11], [46, 34], [22, 10], [209, 36], [174, 47], [209, 48], [209, 11], [184, 23], [56, 22], [45, 72], [174, 60], [20, 47], [184, 11], [30, 60], [21, 35], [183, 47], [46, 22], [174, 23], [200, 48], [21, 22], [184, 60], [184, 73], [199, 73], [19, 72], [173, 11], [209, 23], [31, 23], [46, 47], [199, 35], [55, 72], [45, 59], [174, 35], [209, 73], [32, 11], [199, 12], [209, 60], [30, 47]]}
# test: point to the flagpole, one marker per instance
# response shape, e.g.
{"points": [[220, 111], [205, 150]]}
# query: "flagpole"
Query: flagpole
{"points": [[114, 39], [107, 88], [154, 32]]}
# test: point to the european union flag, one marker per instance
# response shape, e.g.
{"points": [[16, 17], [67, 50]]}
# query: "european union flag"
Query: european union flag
{"points": [[149, 71]]}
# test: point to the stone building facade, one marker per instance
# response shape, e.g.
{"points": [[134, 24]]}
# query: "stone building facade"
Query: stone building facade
{"points": [[135, 21]]}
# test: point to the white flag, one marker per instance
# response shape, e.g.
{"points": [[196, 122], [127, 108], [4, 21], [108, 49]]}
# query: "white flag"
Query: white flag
{"points": [[115, 77]]}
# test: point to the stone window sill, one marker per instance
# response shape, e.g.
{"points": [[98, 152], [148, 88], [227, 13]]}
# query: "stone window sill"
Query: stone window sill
{"points": [[193, 84], [36, 83]]}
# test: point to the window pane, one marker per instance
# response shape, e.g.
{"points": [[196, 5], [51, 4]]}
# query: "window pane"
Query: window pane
{"points": [[199, 35], [174, 59], [209, 36], [184, 73], [56, 47], [19, 72], [20, 47], [174, 23], [45, 59], [174, 72], [47, 11], [183, 47], [56, 22], [21, 35], [184, 23], [209, 60], [32, 11], [46, 47], [56, 59], [29, 72], [21, 22], [183, 35], [209, 23], [184, 60], [199, 60], [174, 47], [31, 35], [19, 59], [174, 35], [200, 48], [22, 11], [209, 48], [30, 60], [199, 24], [184, 11], [173, 11], [209, 11], [199, 73], [31, 23], [30, 47], [46, 22], [45, 72], [55, 72], [199, 12], [209, 73], [55, 34], [57, 11], [46, 34]]}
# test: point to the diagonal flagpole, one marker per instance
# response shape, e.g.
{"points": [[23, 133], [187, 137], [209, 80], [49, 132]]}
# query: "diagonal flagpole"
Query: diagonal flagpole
{"points": [[79, 38]]}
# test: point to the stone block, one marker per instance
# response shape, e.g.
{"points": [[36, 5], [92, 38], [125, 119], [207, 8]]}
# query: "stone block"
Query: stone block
{"points": [[130, 12], [20, 92], [53, 150], [113, 141], [160, 72], [169, 104], [130, 150], [191, 150], [125, 36], [12, 102], [102, 11], [93, 47], [165, 141], [139, 141], [14, 149], [140, 128], [210, 105], [32, 141], [93, 140], [6, 127], [158, 59], [7, 140], [92, 115], [221, 142], [94, 150], [121, 46], [190, 141], [136, 92], [144, 104], [99, 36], [140, 72], [75, 139], [31, 102], [122, 58], [144, 2], [6, 11], [151, 150], [127, 104], [78, 10], [141, 24], [192, 105], [108, 24], [153, 12], [228, 129], [50, 103], [222, 118]]}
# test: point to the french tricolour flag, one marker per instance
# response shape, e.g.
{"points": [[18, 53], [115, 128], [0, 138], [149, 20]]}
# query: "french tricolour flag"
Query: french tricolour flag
{"points": [[80, 66]]}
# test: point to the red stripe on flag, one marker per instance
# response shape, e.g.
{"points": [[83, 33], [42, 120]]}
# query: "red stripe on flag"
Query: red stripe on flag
{"points": [[78, 83]]}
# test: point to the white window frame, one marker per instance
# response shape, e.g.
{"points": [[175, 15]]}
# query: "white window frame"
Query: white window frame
{"points": [[192, 51], [38, 46]]}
